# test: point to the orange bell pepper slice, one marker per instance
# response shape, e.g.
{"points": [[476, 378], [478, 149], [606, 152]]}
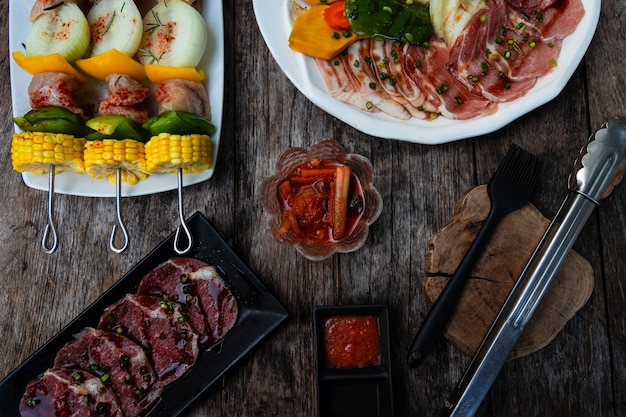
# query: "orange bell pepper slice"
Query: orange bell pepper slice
{"points": [[112, 62], [47, 63], [159, 73]]}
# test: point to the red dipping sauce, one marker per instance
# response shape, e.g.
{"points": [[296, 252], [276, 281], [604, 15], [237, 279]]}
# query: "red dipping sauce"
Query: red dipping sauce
{"points": [[351, 341], [321, 202]]}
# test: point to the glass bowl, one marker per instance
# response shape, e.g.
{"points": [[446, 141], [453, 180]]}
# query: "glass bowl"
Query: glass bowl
{"points": [[324, 150]]}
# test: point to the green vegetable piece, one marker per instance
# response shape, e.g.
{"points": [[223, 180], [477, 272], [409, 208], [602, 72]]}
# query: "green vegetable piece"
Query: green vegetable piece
{"points": [[67, 127], [116, 127], [179, 123], [52, 112], [54, 120], [389, 19]]}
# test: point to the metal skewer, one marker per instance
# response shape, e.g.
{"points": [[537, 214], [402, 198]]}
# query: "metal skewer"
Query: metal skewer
{"points": [[120, 223], [50, 230], [181, 216]]}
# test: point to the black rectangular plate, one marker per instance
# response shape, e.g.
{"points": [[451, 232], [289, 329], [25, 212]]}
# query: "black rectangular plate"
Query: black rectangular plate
{"points": [[363, 392], [259, 313]]}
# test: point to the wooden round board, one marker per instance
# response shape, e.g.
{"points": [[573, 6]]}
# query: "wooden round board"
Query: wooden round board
{"points": [[500, 265]]}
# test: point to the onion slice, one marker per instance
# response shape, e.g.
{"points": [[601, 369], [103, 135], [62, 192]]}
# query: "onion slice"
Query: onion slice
{"points": [[115, 24], [63, 30], [174, 34]]}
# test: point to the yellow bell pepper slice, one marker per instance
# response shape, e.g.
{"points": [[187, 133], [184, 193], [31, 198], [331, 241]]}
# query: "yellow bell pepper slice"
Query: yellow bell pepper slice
{"points": [[313, 36], [112, 62], [37, 64], [159, 73]]}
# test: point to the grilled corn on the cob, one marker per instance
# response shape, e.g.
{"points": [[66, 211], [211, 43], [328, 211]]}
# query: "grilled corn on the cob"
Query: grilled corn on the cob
{"points": [[168, 152], [104, 157], [36, 151]]}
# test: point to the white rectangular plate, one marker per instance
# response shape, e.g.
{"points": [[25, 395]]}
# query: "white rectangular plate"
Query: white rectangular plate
{"points": [[83, 185]]}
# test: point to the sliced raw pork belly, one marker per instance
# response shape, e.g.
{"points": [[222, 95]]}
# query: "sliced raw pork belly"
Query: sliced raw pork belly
{"points": [[204, 296], [65, 392], [160, 328], [118, 361]]}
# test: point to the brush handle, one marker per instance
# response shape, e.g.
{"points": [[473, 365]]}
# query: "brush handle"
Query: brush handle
{"points": [[440, 313]]}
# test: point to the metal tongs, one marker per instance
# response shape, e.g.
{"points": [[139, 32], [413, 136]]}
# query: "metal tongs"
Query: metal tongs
{"points": [[599, 167]]}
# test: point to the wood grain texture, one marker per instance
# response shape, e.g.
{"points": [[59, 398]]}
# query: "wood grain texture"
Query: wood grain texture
{"points": [[580, 373], [496, 272]]}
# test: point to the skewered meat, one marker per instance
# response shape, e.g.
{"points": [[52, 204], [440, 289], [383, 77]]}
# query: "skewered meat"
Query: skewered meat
{"points": [[183, 95], [54, 89], [125, 98]]}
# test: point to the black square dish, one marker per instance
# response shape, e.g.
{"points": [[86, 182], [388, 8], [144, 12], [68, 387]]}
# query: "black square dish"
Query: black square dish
{"points": [[259, 313], [361, 385]]}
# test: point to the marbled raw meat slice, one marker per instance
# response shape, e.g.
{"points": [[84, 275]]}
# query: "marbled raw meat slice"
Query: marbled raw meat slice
{"points": [[502, 52], [65, 392], [378, 67], [481, 57], [365, 83], [117, 359], [455, 101], [160, 328], [335, 76], [530, 4], [199, 288], [392, 64]]}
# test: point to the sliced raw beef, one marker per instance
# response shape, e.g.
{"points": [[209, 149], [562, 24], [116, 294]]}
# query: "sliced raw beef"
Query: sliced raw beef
{"points": [[118, 361], [204, 296], [160, 328], [65, 392]]}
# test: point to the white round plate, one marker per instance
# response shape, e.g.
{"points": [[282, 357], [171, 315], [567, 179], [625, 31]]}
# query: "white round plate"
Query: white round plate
{"points": [[275, 22]]}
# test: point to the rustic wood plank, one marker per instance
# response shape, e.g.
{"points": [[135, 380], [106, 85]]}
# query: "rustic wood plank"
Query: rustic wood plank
{"points": [[580, 373]]}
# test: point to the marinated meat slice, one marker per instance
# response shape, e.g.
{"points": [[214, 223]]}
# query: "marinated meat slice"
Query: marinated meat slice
{"points": [[338, 84], [531, 4], [183, 95], [119, 361], [160, 328], [392, 64], [54, 89], [557, 21], [198, 287], [357, 61], [427, 67], [65, 392], [482, 57], [136, 112], [125, 98]]}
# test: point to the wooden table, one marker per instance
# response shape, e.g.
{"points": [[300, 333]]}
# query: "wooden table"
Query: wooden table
{"points": [[580, 373]]}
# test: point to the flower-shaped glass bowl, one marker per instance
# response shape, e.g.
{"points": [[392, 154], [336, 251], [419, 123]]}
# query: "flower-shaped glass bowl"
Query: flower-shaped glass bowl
{"points": [[327, 150]]}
